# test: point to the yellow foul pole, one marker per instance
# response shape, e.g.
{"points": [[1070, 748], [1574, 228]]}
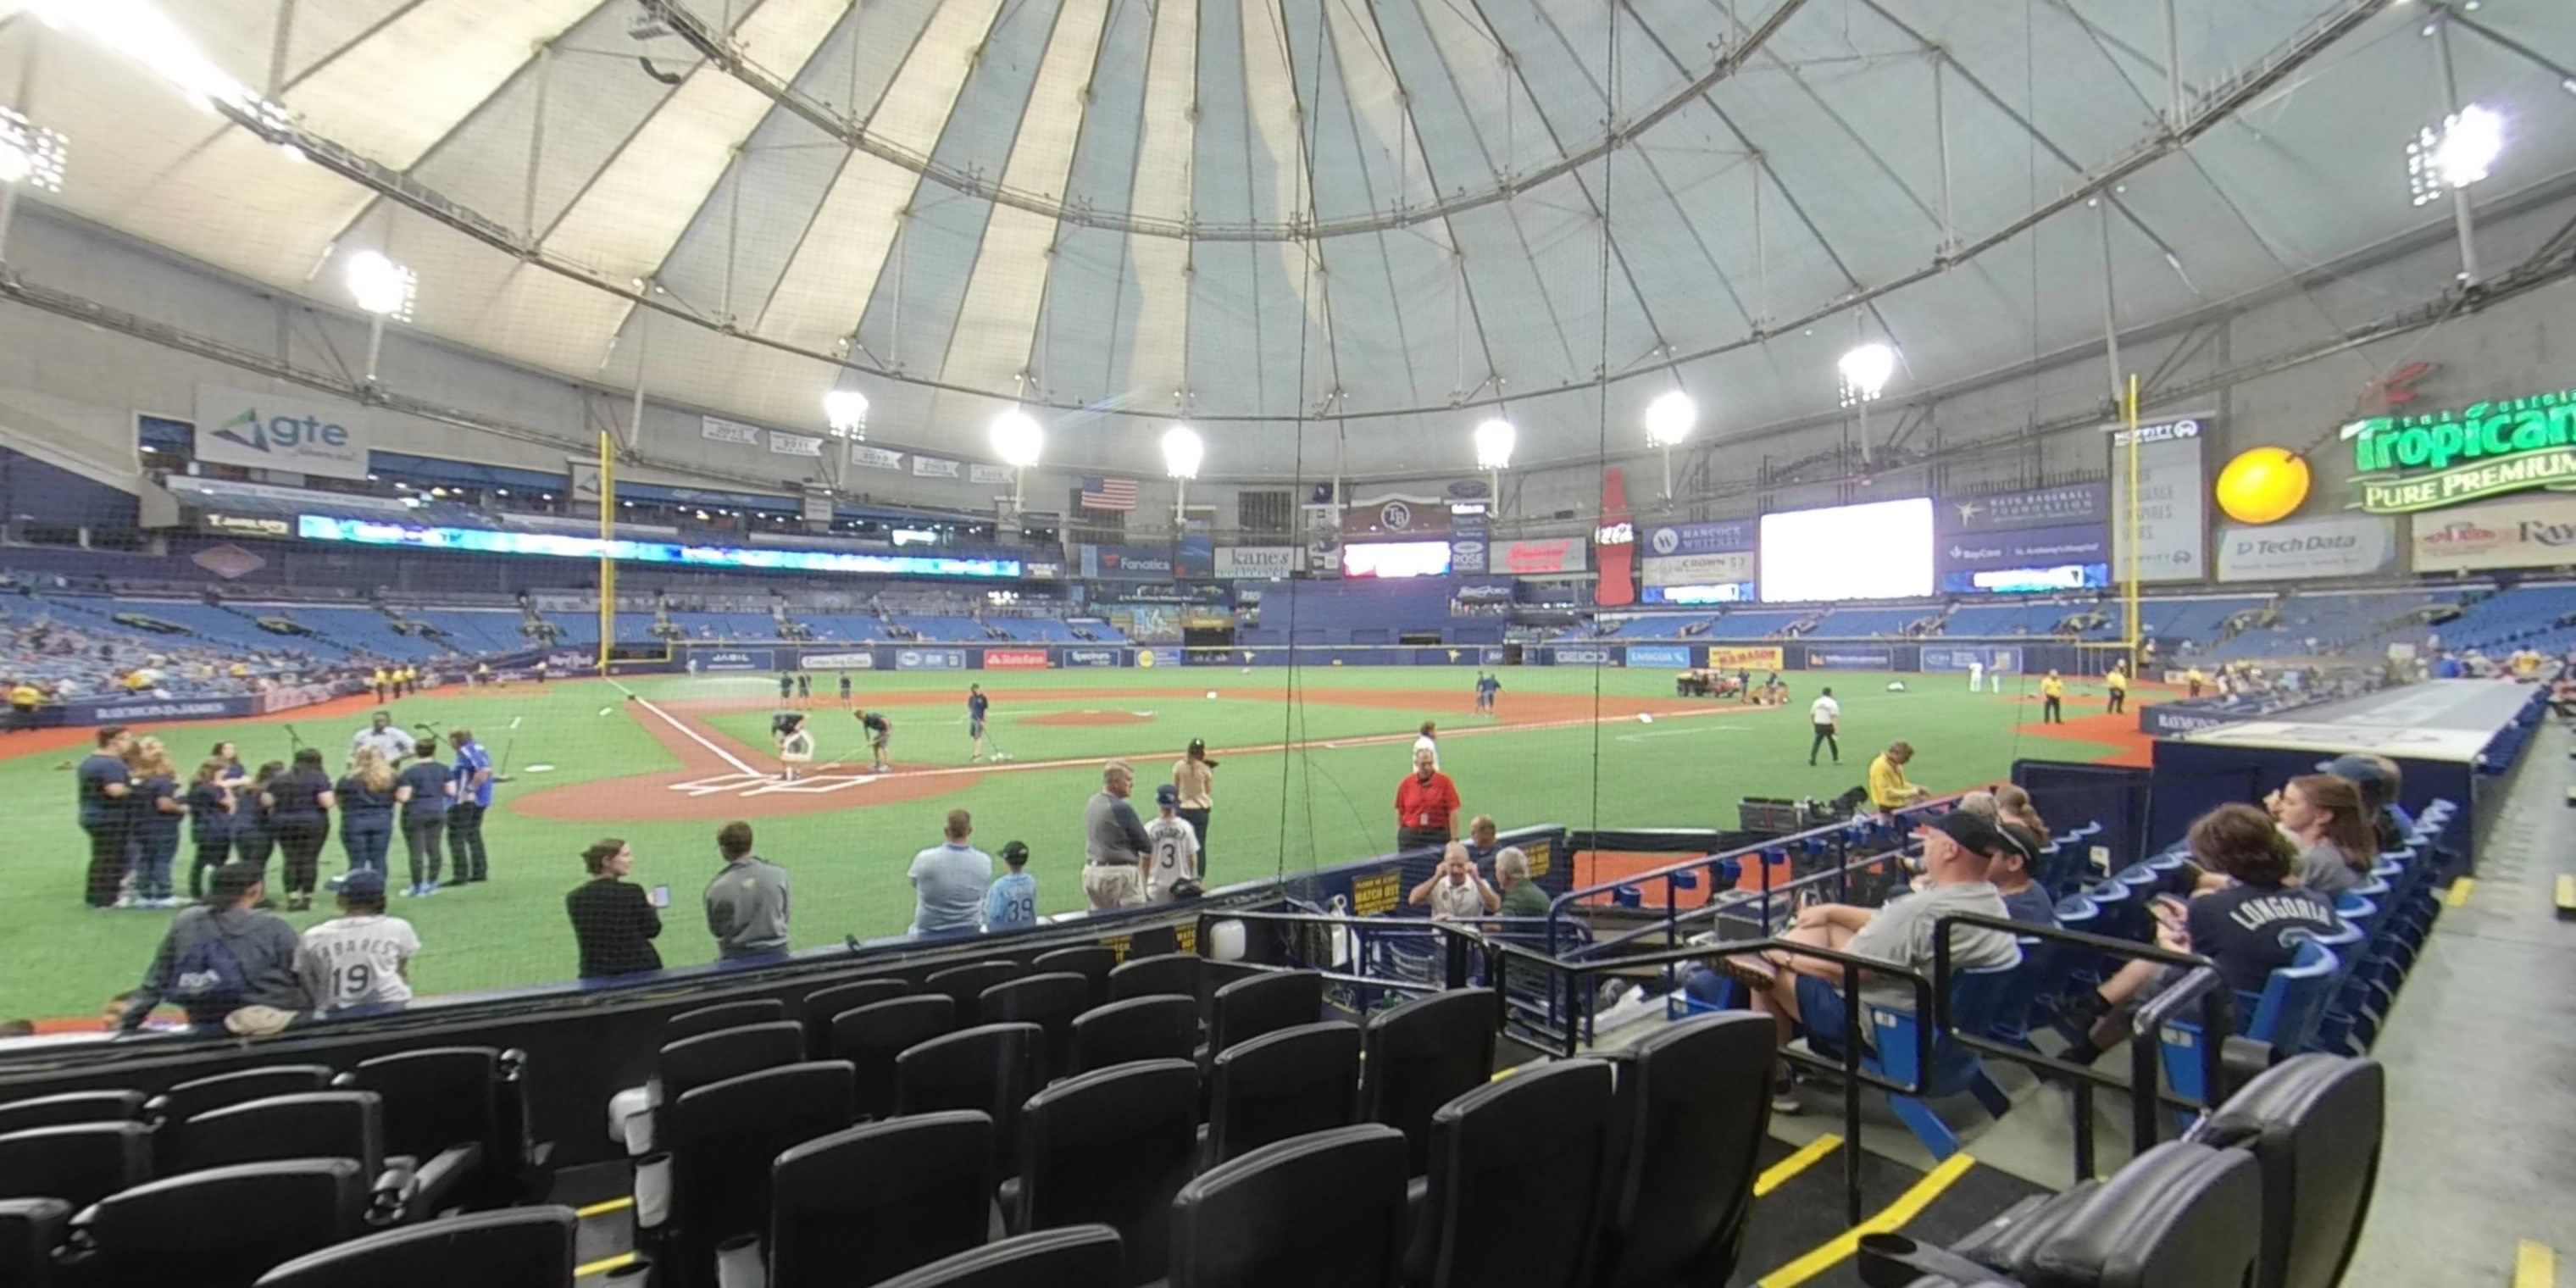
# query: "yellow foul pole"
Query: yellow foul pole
{"points": [[607, 533], [2129, 415]]}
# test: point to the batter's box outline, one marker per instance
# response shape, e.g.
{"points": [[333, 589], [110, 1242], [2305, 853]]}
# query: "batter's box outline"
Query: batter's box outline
{"points": [[768, 784]]}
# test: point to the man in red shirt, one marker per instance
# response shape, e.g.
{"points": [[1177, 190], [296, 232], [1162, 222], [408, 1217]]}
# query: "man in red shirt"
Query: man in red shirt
{"points": [[1426, 806]]}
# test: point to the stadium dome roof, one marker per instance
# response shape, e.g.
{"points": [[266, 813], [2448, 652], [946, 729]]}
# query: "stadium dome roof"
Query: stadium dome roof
{"points": [[1241, 212]]}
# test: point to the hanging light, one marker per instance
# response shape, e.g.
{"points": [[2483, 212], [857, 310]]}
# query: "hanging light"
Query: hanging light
{"points": [[1866, 371], [1182, 451], [846, 411], [1670, 419], [2459, 152], [1017, 439], [1494, 442], [381, 286]]}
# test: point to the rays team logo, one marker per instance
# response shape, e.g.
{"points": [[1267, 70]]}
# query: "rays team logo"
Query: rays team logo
{"points": [[1396, 515]]}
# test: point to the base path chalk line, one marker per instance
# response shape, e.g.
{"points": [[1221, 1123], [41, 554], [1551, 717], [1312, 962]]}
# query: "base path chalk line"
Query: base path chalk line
{"points": [[692, 734], [752, 782]]}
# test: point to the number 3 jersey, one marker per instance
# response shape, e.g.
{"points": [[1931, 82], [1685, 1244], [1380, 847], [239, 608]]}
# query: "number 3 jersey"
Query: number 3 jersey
{"points": [[1175, 856], [357, 961]]}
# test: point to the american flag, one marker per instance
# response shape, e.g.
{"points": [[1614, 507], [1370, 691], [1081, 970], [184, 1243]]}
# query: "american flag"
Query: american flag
{"points": [[1108, 494]]}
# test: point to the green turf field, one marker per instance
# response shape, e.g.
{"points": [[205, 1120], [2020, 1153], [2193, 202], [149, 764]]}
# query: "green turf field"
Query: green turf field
{"points": [[1275, 809]]}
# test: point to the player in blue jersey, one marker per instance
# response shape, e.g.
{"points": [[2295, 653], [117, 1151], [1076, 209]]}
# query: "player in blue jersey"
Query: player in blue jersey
{"points": [[976, 705]]}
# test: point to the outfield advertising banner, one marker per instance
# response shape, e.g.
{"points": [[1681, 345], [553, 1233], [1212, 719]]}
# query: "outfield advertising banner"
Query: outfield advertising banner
{"points": [[1150, 658], [124, 711], [1126, 563], [930, 659], [1584, 656], [2531, 533], [1540, 558], [1667, 540], [737, 659], [1677, 656], [2048, 507], [1015, 659], [1699, 570], [1850, 659], [1958, 657], [839, 660], [299, 432], [1272, 563], [2344, 545], [1091, 657], [2173, 492], [1470, 545], [1726, 657]]}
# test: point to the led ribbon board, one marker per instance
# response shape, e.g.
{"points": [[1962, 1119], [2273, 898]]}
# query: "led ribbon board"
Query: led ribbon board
{"points": [[2402, 464], [316, 527]]}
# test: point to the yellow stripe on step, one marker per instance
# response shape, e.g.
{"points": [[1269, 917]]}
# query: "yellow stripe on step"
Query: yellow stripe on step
{"points": [[1907, 1206], [604, 1207], [604, 1265], [2535, 1265], [2461, 889], [1780, 1173]]}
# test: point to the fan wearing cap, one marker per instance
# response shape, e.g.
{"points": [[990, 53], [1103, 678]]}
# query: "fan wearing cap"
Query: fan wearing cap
{"points": [[361, 957], [1805, 993], [1012, 903], [2378, 779], [1174, 857]]}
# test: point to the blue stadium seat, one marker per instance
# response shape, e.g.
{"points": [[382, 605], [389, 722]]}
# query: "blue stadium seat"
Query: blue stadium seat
{"points": [[1976, 997], [2285, 1014]]}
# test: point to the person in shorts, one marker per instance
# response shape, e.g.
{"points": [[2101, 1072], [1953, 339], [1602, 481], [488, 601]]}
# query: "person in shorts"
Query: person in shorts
{"points": [[1115, 847], [880, 731], [361, 958]]}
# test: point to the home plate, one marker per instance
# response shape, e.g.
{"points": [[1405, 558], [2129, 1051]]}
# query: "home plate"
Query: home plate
{"points": [[536, 769]]}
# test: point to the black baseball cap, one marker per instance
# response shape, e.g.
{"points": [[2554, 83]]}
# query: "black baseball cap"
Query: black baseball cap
{"points": [[1975, 832], [2362, 772], [1015, 853]]}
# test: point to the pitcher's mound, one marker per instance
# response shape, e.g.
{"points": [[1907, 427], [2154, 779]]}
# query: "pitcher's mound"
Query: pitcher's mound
{"points": [[1088, 719]]}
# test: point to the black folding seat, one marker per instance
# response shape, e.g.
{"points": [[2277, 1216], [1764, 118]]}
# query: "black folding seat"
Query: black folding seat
{"points": [[1280, 1085], [71, 1107], [1263, 1003], [1421, 1055], [79, 1163], [189, 1099], [316, 1124], [709, 1058], [871, 1036], [1093, 962], [824, 1003], [1171, 975], [876, 1201], [964, 984], [1048, 1001], [1140, 1028], [2313, 1124], [30, 1232], [1112, 1148], [723, 1015], [1325, 1210], [1541, 1131], [2178, 1216], [1692, 1109], [992, 1068], [723, 1139], [1083, 1257], [455, 1108], [519, 1248], [219, 1228]]}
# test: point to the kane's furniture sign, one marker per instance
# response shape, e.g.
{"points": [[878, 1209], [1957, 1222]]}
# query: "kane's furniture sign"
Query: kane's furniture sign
{"points": [[2403, 464]]}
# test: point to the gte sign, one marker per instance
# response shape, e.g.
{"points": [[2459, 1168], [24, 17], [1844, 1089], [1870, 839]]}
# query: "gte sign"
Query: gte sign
{"points": [[2483, 450], [300, 434]]}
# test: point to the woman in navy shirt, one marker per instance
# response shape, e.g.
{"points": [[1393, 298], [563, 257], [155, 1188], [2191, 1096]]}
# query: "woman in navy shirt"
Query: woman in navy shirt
{"points": [[299, 805], [251, 838], [159, 811], [210, 808], [366, 798], [424, 787]]}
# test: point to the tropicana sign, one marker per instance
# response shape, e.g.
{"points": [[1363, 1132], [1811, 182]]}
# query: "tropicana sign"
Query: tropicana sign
{"points": [[2487, 449]]}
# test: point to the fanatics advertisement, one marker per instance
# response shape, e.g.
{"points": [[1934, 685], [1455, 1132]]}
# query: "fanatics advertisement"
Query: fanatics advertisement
{"points": [[2349, 545], [2538, 532], [1125, 563], [1699, 570], [1540, 558], [301, 433], [2048, 507], [1669, 539], [2173, 492]]}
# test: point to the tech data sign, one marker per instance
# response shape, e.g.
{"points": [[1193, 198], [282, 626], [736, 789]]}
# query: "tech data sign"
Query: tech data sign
{"points": [[2403, 464], [300, 433]]}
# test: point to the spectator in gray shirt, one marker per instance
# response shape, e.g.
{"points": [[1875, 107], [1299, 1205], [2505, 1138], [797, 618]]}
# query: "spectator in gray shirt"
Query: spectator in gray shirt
{"points": [[948, 881], [1114, 842], [223, 955], [747, 902]]}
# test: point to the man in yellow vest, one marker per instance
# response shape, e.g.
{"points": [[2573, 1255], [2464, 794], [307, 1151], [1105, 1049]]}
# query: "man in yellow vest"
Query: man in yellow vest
{"points": [[2118, 679], [1888, 789], [379, 681], [2052, 699], [2193, 679], [24, 698]]}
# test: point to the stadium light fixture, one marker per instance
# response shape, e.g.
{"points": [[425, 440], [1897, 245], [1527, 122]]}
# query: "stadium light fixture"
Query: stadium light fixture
{"points": [[384, 289], [846, 412], [1494, 442], [1018, 440], [1669, 420], [2462, 150], [1182, 451], [1866, 371], [32, 157]]}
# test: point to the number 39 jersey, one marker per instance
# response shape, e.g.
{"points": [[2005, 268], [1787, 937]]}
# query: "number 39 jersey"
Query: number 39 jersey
{"points": [[357, 961]]}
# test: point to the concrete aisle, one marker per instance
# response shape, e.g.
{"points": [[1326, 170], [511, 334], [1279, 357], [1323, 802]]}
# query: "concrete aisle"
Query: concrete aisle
{"points": [[2478, 1182]]}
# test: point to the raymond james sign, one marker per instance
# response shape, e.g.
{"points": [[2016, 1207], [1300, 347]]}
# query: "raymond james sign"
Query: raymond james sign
{"points": [[2483, 450]]}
